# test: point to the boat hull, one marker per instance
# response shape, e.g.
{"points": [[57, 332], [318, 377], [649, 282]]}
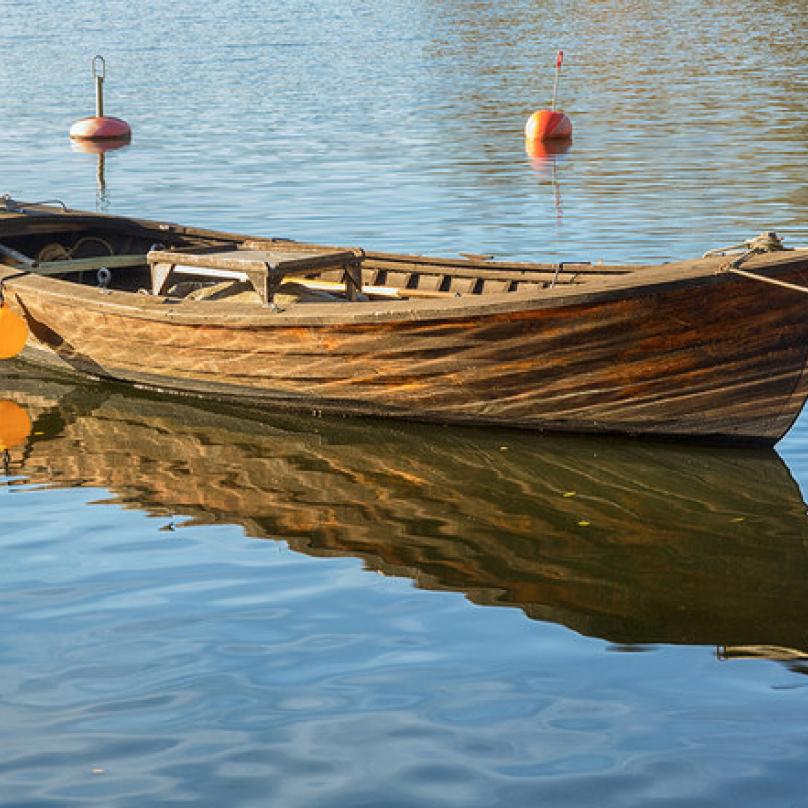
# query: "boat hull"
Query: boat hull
{"points": [[648, 365], [681, 351]]}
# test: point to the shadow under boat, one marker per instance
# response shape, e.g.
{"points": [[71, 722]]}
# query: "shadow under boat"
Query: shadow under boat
{"points": [[632, 542]]}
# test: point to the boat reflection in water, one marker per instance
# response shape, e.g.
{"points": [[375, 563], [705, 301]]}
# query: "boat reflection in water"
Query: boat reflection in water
{"points": [[632, 542]]}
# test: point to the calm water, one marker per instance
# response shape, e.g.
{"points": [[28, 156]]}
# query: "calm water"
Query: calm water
{"points": [[203, 608]]}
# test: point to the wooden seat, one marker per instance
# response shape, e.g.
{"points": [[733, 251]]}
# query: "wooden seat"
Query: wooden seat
{"points": [[264, 265], [65, 267], [88, 264]]}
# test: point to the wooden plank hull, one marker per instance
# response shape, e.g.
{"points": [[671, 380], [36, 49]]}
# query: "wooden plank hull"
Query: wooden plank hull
{"points": [[680, 351]]}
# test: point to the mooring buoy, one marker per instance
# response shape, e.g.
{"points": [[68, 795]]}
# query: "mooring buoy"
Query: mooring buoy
{"points": [[100, 126], [13, 331], [550, 124]]}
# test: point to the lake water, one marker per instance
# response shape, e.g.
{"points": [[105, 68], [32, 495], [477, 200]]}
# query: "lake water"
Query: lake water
{"points": [[205, 608]]}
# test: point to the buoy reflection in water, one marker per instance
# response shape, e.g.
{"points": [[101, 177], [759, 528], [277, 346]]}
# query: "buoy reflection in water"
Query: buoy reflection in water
{"points": [[15, 425], [100, 148]]}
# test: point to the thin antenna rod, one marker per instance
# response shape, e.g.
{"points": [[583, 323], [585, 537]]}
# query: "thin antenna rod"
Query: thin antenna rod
{"points": [[559, 60]]}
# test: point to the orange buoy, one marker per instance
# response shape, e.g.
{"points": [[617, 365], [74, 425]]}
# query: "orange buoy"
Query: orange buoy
{"points": [[13, 332], [550, 124], [15, 425], [99, 126]]}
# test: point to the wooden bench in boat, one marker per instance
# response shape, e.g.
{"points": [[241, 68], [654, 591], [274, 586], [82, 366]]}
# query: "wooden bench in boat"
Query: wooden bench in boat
{"points": [[266, 266], [71, 265], [88, 264]]}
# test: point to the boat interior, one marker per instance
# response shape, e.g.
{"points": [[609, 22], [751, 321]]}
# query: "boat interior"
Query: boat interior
{"points": [[178, 262]]}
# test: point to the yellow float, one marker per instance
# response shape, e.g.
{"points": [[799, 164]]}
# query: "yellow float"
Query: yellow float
{"points": [[13, 332]]}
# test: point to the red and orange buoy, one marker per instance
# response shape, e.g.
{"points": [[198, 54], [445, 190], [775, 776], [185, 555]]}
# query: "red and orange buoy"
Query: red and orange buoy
{"points": [[549, 124], [100, 127]]}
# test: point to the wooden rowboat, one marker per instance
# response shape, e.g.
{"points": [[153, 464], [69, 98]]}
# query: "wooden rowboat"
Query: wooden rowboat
{"points": [[695, 349]]}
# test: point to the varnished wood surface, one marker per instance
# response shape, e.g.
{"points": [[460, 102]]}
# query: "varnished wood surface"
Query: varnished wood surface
{"points": [[681, 350], [631, 542]]}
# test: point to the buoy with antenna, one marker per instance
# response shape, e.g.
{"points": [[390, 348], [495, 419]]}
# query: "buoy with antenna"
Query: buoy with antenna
{"points": [[100, 127], [550, 124]]}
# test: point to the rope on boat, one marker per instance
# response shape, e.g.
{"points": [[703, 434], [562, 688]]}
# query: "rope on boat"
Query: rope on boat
{"points": [[3, 284], [765, 242], [755, 277], [20, 274]]}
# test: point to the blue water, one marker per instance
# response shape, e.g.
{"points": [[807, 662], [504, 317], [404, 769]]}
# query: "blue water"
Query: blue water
{"points": [[218, 612]]}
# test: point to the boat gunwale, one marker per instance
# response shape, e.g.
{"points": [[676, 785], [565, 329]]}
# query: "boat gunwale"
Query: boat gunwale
{"points": [[645, 281], [603, 284]]}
